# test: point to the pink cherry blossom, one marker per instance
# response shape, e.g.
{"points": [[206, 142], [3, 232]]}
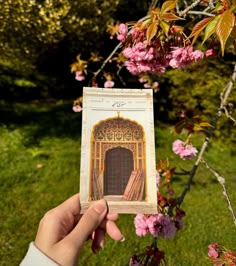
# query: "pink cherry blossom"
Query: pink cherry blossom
{"points": [[197, 55], [145, 58], [132, 68], [123, 30], [178, 146], [183, 56], [79, 76], [77, 108], [212, 252], [140, 222], [121, 38], [161, 225], [154, 223], [168, 227], [189, 152], [147, 85], [109, 84], [185, 151], [155, 85], [128, 52], [209, 52]]}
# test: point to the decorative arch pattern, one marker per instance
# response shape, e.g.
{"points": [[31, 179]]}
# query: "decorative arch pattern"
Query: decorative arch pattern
{"points": [[110, 134], [118, 129]]}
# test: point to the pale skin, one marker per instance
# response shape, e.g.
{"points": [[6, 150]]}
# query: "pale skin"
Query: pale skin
{"points": [[63, 231]]}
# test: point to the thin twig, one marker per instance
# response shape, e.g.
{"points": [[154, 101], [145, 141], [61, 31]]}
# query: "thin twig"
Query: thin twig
{"points": [[154, 3], [118, 46], [221, 180], [107, 59], [228, 89], [120, 77], [227, 113], [177, 6], [186, 10], [204, 13], [224, 98]]}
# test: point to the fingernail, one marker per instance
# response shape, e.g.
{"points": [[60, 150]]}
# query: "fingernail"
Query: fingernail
{"points": [[95, 250], [102, 245], [122, 239], [100, 206]]}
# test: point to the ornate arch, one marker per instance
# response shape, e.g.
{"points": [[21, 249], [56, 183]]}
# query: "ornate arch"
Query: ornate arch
{"points": [[118, 129], [112, 133]]}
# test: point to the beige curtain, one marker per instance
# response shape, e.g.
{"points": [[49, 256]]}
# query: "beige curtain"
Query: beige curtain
{"points": [[96, 185], [135, 187]]}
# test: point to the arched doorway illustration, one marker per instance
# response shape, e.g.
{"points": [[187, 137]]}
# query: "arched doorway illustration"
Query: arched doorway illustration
{"points": [[117, 153], [119, 164]]}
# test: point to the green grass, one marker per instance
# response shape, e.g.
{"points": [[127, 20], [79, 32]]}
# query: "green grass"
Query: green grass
{"points": [[49, 134]]}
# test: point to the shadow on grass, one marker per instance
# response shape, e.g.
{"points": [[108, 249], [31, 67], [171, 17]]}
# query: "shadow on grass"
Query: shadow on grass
{"points": [[42, 119]]}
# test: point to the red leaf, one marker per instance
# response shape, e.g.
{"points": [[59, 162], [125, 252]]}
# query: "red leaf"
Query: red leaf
{"points": [[170, 17], [199, 27]]}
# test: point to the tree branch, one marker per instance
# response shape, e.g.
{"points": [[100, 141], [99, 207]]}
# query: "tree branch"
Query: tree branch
{"points": [[221, 180], [227, 90], [186, 10], [224, 98], [201, 13], [107, 60]]}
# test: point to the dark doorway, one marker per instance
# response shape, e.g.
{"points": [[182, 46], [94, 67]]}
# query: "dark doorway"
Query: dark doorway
{"points": [[119, 164]]}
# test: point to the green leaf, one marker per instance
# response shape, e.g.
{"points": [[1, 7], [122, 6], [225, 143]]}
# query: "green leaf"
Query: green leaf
{"points": [[198, 28], [197, 127], [224, 27], [151, 30], [167, 6], [218, 7], [165, 27], [210, 28], [145, 23]]}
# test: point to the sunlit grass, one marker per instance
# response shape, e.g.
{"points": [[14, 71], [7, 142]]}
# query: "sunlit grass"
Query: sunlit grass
{"points": [[39, 168]]}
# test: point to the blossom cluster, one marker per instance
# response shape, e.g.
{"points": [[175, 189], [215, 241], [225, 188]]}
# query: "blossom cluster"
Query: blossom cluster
{"points": [[186, 151], [157, 225], [155, 56], [161, 224], [220, 255], [145, 58]]}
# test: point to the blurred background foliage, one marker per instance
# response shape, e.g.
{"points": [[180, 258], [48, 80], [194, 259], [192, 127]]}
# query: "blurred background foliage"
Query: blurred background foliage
{"points": [[39, 41]]}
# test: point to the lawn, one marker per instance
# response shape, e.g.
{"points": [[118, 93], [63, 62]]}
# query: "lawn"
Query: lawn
{"points": [[39, 168]]}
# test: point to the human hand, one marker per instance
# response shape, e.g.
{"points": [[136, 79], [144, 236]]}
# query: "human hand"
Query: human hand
{"points": [[63, 230]]}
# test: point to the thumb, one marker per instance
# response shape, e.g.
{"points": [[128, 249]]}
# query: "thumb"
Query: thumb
{"points": [[90, 220]]}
